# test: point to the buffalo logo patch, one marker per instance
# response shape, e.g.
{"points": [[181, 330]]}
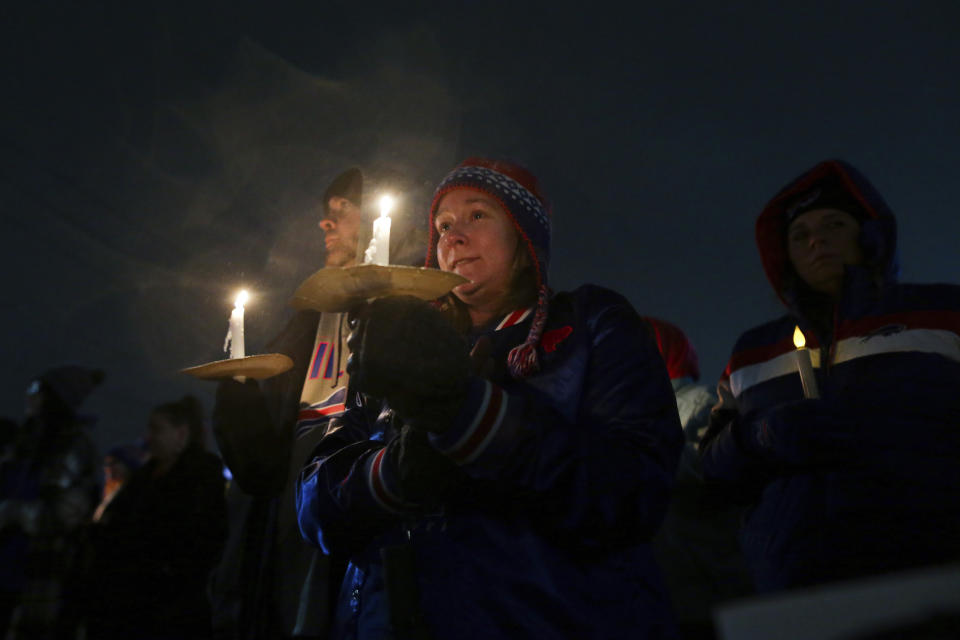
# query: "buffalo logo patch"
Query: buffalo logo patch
{"points": [[551, 339]]}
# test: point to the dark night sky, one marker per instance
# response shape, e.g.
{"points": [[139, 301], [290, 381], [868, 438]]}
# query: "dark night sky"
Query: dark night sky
{"points": [[156, 157]]}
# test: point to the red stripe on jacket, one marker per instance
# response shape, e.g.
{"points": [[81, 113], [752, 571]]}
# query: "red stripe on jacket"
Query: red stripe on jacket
{"points": [[487, 423]]}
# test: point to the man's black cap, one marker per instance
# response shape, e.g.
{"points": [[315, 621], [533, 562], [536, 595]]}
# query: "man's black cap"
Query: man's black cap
{"points": [[349, 185]]}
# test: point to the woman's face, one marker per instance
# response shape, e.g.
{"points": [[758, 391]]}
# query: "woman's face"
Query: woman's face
{"points": [[165, 440], [820, 242], [115, 471], [477, 241]]}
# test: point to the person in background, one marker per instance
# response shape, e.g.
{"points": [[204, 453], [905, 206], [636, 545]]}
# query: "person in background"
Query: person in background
{"points": [[8, 437], [510, 494], [161, 535], [865, 478], [697, 545], [119, 463], [271, 583], [48, 489]]}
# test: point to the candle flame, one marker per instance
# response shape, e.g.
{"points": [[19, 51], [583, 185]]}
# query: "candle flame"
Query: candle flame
{"points": [[241, 299], [386, 205], [798, 340]]}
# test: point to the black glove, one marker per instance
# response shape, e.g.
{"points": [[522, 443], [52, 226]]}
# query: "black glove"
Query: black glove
{"points": [[252, 448], [404, 351], [425, 475], [805, 432]]}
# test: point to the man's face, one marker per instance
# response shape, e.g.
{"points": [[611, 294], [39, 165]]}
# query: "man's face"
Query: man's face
{"points": [[820, 243], [341, 226]]}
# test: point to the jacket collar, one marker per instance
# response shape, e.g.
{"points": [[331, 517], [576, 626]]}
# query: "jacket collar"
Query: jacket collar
{"points": [[513, 318]]}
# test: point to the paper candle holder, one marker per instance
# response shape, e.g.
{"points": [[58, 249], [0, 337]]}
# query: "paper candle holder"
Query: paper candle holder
{"points": [[258, 367], [340, 289]]}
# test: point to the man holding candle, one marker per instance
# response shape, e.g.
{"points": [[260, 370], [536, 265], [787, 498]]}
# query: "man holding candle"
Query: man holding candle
{"points": [[264, 435], [865, 479]]}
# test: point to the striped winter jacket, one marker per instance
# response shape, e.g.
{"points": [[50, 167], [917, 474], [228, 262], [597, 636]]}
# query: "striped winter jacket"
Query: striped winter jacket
{"points": [[869, 478], [565, 476]]}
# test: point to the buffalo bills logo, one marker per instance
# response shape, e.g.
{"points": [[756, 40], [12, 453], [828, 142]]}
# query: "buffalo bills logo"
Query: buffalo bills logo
{"points": [[551, 339], [802, 202], [886, 330]]}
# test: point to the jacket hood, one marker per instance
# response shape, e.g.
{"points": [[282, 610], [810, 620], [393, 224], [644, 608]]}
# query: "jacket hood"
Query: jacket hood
{"points": [[677, 350], [878, 232]]}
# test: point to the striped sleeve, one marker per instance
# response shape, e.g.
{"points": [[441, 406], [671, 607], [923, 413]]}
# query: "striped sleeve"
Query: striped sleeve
{"points": [[348, 493], [725, 461], [382, 484], [483, 427]]}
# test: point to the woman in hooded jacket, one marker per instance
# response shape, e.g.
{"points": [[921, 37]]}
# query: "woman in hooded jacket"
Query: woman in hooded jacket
{"points": [[865, 478], [511, 493]]}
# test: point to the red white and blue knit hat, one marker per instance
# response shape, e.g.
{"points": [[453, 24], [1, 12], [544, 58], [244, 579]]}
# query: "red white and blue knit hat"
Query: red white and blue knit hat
{"points": [[516, 190]]}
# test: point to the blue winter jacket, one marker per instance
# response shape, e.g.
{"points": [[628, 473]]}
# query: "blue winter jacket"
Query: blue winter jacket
{"points": [[866, 479], [566, 476]]}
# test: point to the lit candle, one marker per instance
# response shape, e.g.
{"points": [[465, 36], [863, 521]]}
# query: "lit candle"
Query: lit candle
{"points": [[807, 379], [379, 250], [235, 333]]}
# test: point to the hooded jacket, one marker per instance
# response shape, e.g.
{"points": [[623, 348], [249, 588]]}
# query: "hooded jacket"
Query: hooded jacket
{"points": [[867, 478], [564, 476]]}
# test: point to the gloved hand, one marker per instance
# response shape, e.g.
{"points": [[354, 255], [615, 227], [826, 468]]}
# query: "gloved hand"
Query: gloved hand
{"points": [[801, 433], [251, 446], [238, 403], [425, 475], [404, 351]]}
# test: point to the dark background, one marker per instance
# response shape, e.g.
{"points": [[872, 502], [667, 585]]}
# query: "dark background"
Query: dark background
{"points": [[157, 156]]}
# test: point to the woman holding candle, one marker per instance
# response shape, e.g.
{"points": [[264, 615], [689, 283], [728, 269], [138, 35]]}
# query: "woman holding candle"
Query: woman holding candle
{"points": [[509, 493], [866, 478]]}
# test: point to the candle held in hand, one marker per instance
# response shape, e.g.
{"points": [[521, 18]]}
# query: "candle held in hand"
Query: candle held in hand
{"points": [[235, 333], [379, 250], [805, 366]]}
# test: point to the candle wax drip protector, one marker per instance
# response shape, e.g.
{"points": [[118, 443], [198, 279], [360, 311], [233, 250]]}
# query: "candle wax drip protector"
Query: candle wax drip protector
{"points": [[258, 367], [340, 289], [240, 366]]}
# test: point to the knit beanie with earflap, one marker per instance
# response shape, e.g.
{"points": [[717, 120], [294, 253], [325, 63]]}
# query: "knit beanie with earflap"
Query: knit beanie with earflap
{"points": [[516, 190]]}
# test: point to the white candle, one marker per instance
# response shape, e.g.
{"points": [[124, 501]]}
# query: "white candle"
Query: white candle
{"points": [[379, 250], [235, 331], [805, 366]]}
